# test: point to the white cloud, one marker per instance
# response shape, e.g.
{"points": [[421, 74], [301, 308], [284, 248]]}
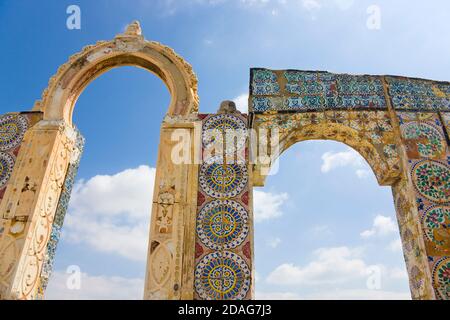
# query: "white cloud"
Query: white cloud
{"points": [[398, 273], [208, 42], [170, 7], [95, 288], [311, 4], [335, 273], [382, 226], [321, 231], [242, 102], [333, 160], [363, 173], [252, 3], [111, 213], [344, 4], [267, 205], [350, 158], [273, 242], [395, 245], [127, 192], [330, 266], [128, 241]]}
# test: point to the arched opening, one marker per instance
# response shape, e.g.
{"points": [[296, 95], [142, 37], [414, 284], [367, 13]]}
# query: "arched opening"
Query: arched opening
{"points": [[325, 229], [105, 234], [52, 148]]}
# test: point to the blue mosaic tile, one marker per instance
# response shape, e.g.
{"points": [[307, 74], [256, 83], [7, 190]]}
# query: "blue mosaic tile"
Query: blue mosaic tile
{"points": [[311, 91], [416, 94], [265, 82]]}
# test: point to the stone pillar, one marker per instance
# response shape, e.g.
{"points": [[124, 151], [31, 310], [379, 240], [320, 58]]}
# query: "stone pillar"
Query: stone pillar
{"points": [[411, 236], [170, 264], [29, 204], [425, 229]]}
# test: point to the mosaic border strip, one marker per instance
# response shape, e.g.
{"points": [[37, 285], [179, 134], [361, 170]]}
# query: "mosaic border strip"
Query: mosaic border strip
{"points": [[427, 150], [61, 210], [302, 91], [223, 261]]}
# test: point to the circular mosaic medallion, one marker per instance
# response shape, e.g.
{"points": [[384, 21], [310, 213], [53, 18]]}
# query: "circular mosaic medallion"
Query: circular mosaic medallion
{"points": [[430, 141], [432, 180], [222, 276], [441, 278], [6, 167], [222, 224], [223, 180], [436, 224], [12, 129], [231, 129]]}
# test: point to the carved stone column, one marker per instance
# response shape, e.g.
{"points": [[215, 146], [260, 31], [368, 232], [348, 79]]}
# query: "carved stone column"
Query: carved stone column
{"points": [[170, 264], [29, 205]]}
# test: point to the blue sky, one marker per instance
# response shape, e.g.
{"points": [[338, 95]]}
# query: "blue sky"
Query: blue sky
{"points": [[325, 221]]}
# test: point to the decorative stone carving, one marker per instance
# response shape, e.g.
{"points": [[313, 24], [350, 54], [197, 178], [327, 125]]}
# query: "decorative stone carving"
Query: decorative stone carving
{"points": [[160, 265], [166, 200], [227, 106], [133, 29], [128, 48]]}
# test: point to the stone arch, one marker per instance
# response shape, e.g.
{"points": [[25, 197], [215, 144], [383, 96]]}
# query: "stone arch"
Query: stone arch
{"points": [[379, 150], [50, 154], [126, 49]]}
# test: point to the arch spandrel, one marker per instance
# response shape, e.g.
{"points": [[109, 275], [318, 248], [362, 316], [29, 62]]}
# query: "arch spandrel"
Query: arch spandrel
{"points": [[127, 49]]}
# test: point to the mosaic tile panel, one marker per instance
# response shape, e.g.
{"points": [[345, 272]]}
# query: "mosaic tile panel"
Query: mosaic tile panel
{"points": [[6, 166], [297, 90], [222, 276], [264, 82], [223, 181], [441, 278], [60, 214], [432, 180], [311, 91], [223, 226], [224, 127], [429, 166], [418, 94]]}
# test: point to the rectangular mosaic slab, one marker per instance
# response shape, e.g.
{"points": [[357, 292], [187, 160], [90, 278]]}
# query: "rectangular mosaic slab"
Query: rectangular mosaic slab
{"points": [[297, 90], [418, 94], [223, 248]]}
